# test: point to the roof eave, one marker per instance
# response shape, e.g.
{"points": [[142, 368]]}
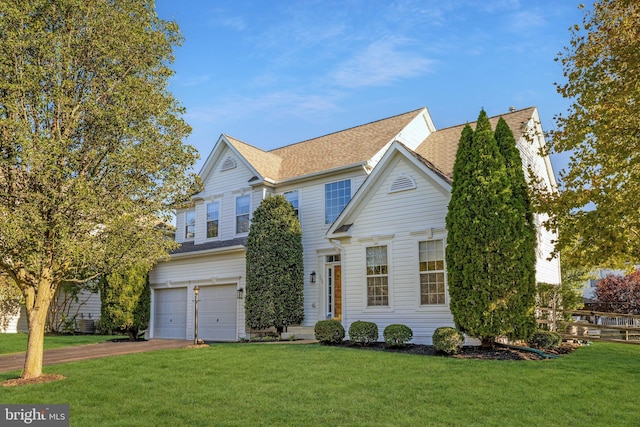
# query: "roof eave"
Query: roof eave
{"points": [[190, 254], [314, 175]]}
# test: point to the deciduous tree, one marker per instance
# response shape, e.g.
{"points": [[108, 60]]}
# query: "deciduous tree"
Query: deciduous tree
{"points": [[91, 150], [619, 294], [274, 266], [597, 207]]}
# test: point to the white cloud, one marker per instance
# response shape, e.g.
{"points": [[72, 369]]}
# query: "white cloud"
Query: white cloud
{"points": [[381, 63]]}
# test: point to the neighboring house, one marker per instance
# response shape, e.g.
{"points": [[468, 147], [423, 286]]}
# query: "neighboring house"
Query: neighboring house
{"points": [[372, 202], [82, 314]]}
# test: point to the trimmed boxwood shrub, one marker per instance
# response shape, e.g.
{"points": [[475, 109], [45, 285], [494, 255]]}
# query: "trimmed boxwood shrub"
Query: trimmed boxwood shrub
{"points": [[545, 340], [329, 331], [397, 335], [448, 340], [363, 333]]}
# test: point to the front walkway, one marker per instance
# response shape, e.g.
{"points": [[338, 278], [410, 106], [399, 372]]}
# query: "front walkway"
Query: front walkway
{"points": [[15, 361]]}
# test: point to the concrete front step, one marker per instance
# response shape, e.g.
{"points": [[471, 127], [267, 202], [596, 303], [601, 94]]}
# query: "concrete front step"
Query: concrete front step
{"points": [[300, 333]]}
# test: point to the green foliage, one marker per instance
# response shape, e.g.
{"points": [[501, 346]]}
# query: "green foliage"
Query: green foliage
{"points": [[565, 296], [126, 301], [363, 333], [397, 335], [91, 151], [329, 331], [275, 275], [545, 340], [447, 340], [491, 240], [596, 207], [10, 300]]}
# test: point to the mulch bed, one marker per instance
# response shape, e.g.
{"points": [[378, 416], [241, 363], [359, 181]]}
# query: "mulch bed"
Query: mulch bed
{"points": [[497, 353], [44, 378]]}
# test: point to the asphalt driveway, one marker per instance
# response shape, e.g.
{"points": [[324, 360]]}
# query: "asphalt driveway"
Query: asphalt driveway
{"points": [[15, 361]]}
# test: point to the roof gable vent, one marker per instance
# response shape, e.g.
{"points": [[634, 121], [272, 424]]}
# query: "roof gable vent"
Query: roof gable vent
{"points": [[401, 183], [229, 163]]}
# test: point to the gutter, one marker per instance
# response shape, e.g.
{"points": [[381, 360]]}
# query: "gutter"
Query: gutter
{"points": [[236, 248]]}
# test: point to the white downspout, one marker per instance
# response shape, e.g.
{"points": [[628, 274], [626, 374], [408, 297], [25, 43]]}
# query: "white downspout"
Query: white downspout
{"points": [[337, 244]]}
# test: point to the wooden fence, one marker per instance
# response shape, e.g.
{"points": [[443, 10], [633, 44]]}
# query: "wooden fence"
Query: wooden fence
{"points": [[592, 325]]}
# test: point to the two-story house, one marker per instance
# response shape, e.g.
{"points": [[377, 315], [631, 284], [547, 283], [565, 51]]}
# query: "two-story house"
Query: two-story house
{"points": [[372, 202]]}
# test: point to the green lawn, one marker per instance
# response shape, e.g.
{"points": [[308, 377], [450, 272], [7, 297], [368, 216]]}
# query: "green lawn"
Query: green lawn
{"points": [[15, 343], [300, 385]]}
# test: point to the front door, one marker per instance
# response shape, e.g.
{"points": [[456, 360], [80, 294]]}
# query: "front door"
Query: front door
{"points": [[334, 287]]}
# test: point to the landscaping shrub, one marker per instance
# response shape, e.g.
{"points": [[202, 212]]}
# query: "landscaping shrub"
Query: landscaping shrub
{"points": [[545, 340], [329, 331], [363, 333], [397, 335], [448, 340]]}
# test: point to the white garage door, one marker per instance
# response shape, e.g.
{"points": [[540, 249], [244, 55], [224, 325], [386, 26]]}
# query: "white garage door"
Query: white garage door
{"points": [[217, 313], [170, 313]]}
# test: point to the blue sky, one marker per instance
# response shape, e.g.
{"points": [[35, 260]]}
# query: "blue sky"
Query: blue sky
{"points": [[272, 73]]}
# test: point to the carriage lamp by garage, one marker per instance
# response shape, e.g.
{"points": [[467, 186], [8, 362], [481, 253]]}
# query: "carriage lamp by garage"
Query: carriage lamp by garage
{"points": [[312, 278], [196, 290], [240, 293]]}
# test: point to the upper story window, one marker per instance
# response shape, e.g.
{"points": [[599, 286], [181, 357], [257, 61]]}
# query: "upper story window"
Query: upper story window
{"points": [[292, 197], [242, 214], [189, 224], [377, 276], [336, 197], [432, 272], [213, 216]]}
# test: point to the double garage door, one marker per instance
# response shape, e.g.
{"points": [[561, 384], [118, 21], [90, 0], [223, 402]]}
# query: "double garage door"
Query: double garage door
{"points": [[217, 313]]}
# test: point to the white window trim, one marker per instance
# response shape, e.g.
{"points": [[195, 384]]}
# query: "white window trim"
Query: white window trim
{"points": [[206, 221], [324, 198], [366, 243], [195, 224], [235, 214], [297, 190], [446, 288], [434, 233]]}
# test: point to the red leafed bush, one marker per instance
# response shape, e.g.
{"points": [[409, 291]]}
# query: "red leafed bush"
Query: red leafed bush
{"points": [[619, 294]]}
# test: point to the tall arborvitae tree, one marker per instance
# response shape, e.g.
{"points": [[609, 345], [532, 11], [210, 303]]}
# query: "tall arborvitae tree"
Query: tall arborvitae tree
{"points": [[275, 274], [482, 254], [523, 273]]}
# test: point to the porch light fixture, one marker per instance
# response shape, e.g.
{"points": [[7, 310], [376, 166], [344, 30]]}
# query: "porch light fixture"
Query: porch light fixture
{"points": [[240, 293], [312, 278]]}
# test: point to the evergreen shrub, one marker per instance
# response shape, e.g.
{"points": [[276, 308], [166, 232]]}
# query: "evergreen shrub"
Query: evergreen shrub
{"points": [[448, 340], [397, 335], [545, 340], [363, 333], [329, 331]]}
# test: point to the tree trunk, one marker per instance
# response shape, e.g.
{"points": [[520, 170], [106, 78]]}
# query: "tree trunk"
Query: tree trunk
{"points": [[37, 305]]}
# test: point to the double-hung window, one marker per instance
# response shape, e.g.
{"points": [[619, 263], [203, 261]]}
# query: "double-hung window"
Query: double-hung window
{"points": [[213, 217], [189, 224], [377, 276], [432, 272], [292, 197], [336, 197], [242, 214]]}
